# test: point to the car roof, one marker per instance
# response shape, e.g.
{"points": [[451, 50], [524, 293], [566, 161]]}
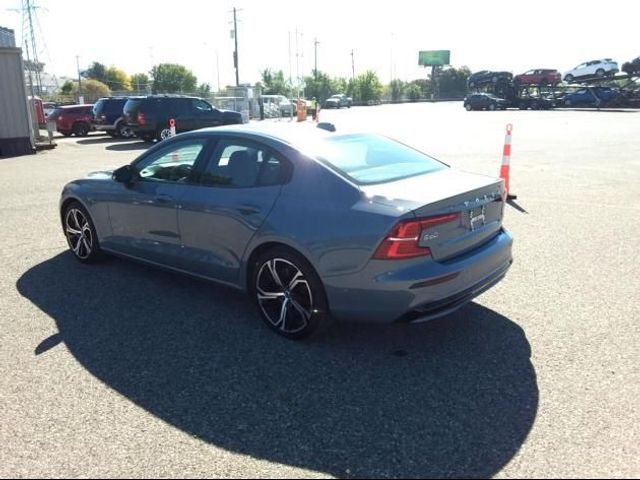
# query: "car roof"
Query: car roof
{"points": [[298, 135], [70, 107]]}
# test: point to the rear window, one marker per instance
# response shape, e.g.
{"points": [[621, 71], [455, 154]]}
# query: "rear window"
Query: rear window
{"points": [[369, 159], [133, 104], [97, 108]]}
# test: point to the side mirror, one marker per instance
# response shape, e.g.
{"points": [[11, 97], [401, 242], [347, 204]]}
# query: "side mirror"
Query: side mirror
{"points": [[124, 174]]}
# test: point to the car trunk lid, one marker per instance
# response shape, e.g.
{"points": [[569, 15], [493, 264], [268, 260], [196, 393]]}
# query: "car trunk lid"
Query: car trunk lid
{"points": [[475, 200]]}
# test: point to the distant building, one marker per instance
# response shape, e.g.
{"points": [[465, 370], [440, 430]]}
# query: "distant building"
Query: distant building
{"points": [[7, 38]]}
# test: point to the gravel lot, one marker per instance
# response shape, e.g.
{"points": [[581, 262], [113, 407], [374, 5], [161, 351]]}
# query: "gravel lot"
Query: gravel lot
{"points": [[120, 370]]}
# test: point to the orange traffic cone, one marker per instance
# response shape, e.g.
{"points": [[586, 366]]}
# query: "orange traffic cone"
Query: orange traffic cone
{"points": [[506, 160]]}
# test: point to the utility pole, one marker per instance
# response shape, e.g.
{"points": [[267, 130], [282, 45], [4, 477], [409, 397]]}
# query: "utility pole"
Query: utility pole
{"points": [[297, 67], [290, 71], [235, 53], [353, 68], [315, 46], [218, 69], [79, 78]]}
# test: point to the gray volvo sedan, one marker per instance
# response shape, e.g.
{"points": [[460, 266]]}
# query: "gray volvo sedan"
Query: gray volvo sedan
{"points": [[313, 225]]}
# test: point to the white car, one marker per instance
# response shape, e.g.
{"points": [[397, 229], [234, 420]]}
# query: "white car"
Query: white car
{"points": [[594, 68]]}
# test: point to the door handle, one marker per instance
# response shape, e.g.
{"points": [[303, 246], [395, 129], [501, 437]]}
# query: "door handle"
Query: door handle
{"points": [[248, 209], [164, 199]]}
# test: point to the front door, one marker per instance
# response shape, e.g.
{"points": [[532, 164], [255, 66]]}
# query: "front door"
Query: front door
{"points": [[143, 214]]}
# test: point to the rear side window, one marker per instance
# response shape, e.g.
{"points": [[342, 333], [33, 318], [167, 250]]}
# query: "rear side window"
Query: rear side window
{"points": [[371, 159], [133, 104], [243, 165], [114, 106]]}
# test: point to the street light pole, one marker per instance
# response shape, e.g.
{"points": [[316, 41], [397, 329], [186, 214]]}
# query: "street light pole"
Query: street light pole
{"points": [[235, 53], [315, 45]]}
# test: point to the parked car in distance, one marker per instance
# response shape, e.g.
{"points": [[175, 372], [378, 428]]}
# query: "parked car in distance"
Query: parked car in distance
{"points": [[287, 215], [73, 119], [632, 67], [590, 97], [338, 101], [485, 101], [148, 117], [277, 105], [593, 68], [108, 117], [540, 76], [486, 77]]}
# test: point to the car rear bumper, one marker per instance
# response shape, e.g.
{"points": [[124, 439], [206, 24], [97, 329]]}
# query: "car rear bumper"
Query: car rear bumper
{"points": [[406, 291]]}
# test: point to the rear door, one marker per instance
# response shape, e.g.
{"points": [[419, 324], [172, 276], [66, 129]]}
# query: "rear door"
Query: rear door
{"points": [[234, 195]]}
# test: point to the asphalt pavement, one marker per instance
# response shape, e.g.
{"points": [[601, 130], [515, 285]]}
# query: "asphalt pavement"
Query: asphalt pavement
{"points": [[122, 370]]}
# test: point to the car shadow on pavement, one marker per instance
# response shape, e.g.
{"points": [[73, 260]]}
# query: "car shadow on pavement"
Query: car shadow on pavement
{"points": [[455, 397], [117, 144]]}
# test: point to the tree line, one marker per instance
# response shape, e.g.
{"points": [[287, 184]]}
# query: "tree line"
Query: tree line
{"points": [[366, 87]]}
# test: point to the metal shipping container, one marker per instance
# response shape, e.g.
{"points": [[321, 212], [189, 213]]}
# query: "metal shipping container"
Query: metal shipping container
{"points": [[16, 135], [7, 38]]}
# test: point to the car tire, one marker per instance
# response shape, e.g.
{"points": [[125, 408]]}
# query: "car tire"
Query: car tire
{"points": [[292, 301], [81, 233], [123, 131], [111, 133], [468, 107], [600, 73], [491, 107], [163, 134], [81, 129], [569, 78], [567, 103]]}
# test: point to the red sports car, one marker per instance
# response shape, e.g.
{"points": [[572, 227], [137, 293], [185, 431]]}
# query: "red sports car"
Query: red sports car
{"points": [[539, 76]]}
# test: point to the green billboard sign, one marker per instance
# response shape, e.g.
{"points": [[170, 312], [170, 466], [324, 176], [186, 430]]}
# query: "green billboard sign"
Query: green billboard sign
{"points": [[429, 58]]}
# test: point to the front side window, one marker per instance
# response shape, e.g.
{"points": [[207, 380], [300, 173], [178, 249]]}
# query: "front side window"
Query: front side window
{"points": [[172, 164], [243, 165], [201, 106]]}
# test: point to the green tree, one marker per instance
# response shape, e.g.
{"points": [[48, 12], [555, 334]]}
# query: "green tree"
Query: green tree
{"points": [[97, 71], [204, 90], [172, 78], [413, 91], [368, 87], [140, 82], [320, 86], [94, 87], [397, 90], [68, 88], [453, 82], [117, 79], [273, 83]]}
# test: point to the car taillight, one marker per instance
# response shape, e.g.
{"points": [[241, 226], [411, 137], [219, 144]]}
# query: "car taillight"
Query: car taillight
{"points": [[404, 240], [141, 119]]}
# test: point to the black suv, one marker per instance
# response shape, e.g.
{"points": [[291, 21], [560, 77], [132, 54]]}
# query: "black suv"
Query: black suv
{"points": [[148, 117], [486, 77], [108, 117]]}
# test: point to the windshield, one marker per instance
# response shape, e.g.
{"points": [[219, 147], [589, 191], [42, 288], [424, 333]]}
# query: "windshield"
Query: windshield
{"points": [[369, 159]]}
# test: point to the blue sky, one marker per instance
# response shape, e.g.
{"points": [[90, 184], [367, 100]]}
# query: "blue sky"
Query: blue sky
{"points": [[385, 37]]}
